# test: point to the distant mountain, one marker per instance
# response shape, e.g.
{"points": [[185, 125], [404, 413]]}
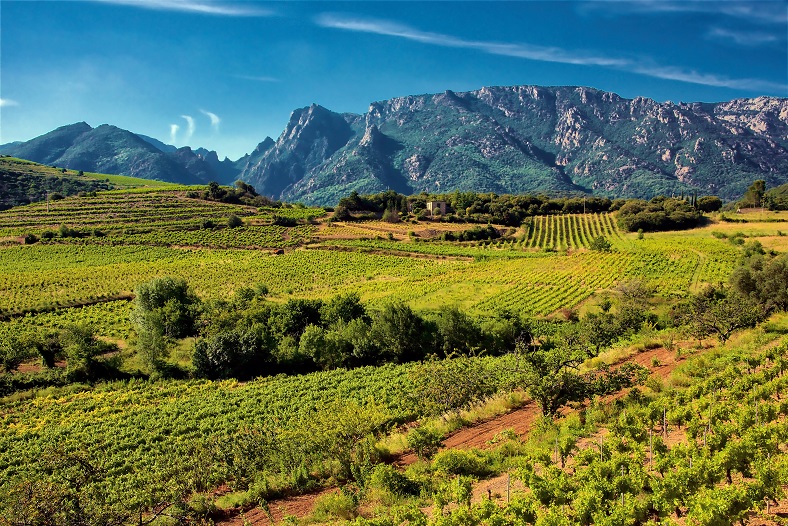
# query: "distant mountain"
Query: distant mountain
{"points": [[518, 139], [559, 140], [109, 149], [166, 148]]}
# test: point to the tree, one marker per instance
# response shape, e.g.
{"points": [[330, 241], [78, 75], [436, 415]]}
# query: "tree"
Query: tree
{"points": [[753, 198], [550, 374], [323, 350], [13, 351], [82, 347], [172, 300], [457, 332], [342, 307], [451, 384], [164, 309], [401, 333], [391, 216], [709, 203], [231, 354], [234, 221], [717, 312], [765, 280]]}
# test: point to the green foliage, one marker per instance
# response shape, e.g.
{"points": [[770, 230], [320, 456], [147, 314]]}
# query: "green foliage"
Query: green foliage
{"points": [[231, 354], [425, 441], [82, 349], [168, 305], [14, 350], [461, 462], [450, 384], [764, 280], [600, 244], [660, 213], [234, 221], [753, 198], [717, 312], [709, 203], [385, 478], [401, 334]]}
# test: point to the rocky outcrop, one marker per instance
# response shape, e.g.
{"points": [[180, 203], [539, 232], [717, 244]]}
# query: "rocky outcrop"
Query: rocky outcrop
{"points": [[535, 139]]}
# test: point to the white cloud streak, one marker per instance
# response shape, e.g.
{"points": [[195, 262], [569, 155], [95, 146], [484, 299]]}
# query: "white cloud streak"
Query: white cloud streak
{"points": [[542, 53], [191, 126], [204, 7], [6, 103], [532, 52], [760, 12], [743, 38], [215, 120], [174, 133], [261, 78]]}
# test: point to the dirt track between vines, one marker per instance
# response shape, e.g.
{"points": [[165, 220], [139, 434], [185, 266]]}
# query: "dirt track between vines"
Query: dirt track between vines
{"points": [[660, 362]]}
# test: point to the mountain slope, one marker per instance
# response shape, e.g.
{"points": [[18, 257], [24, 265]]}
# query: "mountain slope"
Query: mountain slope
{"points": [[109, 149], [528, 139]]}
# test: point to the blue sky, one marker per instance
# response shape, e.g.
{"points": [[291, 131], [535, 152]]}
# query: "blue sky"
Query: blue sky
{"points": [[226, 74]]}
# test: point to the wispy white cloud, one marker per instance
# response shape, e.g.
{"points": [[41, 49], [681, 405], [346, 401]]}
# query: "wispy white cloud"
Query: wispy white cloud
{"points": [[174, 133], [191, 126], [532, 52], [542, 53], [4, 103], [761, 12], [205, 7], [261, 78], [215, 120], [743, 38], [706, 79]]}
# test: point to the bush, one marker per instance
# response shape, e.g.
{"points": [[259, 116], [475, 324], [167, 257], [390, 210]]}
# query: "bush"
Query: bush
{"points": [[234, 221], [338, 505], [388, 480], [391, 216], [31, 239], [425, 441], [460, 462], [601, 244]]}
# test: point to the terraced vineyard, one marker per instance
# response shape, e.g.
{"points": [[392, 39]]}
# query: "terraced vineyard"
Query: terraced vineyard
{"points": [[297, 427], [150, 216], [571, 231]]}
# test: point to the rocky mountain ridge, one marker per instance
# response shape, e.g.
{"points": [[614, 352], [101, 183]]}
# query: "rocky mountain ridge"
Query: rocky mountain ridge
{"points": [[511, 139], [536, 139]]}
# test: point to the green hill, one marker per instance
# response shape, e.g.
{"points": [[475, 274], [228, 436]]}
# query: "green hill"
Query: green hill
{"points": [[23, 182]]}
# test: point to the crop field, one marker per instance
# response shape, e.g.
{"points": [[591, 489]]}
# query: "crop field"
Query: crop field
{"points": [[125, 210], [170, 440], [137, 430], [543, 267]]}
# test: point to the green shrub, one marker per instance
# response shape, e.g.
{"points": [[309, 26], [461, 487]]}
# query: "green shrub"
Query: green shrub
{"points": [[234, 221], [338, 505], [460, 462], [388, 480], [425, 441]]}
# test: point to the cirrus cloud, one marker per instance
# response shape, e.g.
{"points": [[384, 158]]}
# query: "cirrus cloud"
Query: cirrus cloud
{"points": [[641, 66], [4, 103], [215, 120], [204, 7]]}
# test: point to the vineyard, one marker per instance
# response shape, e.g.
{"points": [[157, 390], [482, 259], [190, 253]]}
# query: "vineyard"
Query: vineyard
{"points": [[704, 446], [672, 449], [543, 267], [150, 437]]}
